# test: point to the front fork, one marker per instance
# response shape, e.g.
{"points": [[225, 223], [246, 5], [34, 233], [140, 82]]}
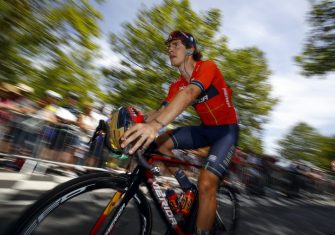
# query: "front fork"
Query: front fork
{"points": [[108, 209], [123, 196]]}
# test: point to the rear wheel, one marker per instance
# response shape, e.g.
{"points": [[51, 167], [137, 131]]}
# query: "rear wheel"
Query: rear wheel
{"points": [[227, 211], [75, 206]]}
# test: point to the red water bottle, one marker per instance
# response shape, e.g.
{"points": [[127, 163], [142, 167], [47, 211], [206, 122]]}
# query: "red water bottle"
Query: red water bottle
{"points": [[186, 202], [172, 198], [187, 198]]}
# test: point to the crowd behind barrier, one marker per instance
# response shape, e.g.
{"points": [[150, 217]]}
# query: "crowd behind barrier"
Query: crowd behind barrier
{"points": [[272, 176], [28, 135], [43, 130], [31, 136]]}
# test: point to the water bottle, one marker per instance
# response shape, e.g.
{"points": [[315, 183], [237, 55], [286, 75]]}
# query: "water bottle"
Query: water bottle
{"points": [[182, 179], [186, 202], [172, 198], [187, 198]]}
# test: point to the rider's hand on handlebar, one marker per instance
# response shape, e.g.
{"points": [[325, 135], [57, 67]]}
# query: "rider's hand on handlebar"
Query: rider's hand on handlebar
{"points": [[141, 134]]}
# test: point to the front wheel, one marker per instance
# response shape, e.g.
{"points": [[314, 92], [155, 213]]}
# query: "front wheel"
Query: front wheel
{"points": [[227, 212], [85, 205]]}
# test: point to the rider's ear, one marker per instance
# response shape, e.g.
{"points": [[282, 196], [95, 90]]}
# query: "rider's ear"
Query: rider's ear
{"points": [[189, 52]]}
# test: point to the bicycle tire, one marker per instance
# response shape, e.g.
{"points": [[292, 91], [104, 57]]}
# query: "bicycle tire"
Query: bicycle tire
{"points": [[48, 203], [227, 213]]}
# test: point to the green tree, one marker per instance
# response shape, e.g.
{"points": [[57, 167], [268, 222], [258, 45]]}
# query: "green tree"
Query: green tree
{"points": [[49, 44], [304, 142], [144, 74], [318, 56], [327, 151], [247, 73]]}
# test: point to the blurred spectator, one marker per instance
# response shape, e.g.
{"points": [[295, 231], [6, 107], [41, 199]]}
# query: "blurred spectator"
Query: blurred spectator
{"points": [[99, 112], [24, 103], [88, 121], [72, 104], [255, 181], [28, 130], [292, 188], [15, 105], [62, 134], [266, 167], [9, 94], [49, 106]]}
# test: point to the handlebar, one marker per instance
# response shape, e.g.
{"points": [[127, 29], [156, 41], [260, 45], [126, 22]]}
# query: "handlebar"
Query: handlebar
{"points": [[143, 162]]}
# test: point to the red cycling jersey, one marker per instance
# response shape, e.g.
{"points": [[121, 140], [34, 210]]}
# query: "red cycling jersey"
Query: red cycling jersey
{"points": [[214, 104]]}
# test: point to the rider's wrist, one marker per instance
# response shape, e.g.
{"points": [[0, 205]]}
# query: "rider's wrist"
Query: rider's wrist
{"points": [[156, 126], [162, 125]]}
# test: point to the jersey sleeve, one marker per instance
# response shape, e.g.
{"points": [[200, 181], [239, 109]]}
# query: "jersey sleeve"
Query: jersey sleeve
{"points": [[203, 78], [173, 90]]}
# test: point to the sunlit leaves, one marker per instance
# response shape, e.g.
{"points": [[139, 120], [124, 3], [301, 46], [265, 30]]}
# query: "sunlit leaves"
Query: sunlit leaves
{"points": [[49, 44], [318, 56], [304, 142]]}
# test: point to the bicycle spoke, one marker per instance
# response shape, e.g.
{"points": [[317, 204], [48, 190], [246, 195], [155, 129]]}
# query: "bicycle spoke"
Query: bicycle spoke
{"points": [[219, 224]]}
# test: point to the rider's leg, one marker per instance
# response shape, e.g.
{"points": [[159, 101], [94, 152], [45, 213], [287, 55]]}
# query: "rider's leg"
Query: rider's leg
{"points": [[187, 137], [165, 144], [220, 154], [207, 186]]}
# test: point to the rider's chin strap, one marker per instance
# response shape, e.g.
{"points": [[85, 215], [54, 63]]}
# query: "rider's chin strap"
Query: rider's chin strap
{"points": [[202, 232]]}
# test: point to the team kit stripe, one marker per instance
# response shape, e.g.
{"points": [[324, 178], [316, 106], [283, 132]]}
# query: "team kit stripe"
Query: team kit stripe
{"points": [[198, 84]]}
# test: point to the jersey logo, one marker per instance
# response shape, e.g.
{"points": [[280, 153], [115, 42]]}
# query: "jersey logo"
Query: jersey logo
{"points": [[202, 99], [226, 96], [212, 158], [207, 94]]}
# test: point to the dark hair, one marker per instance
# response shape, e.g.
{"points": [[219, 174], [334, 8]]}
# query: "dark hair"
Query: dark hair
{"points": [[196, 55]]}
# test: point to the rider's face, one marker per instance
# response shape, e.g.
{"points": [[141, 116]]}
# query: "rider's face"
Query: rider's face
{"points": [[176, 52]]}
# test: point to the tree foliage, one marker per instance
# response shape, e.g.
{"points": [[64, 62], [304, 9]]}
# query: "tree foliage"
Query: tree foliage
{"points": [[145, 73], [247, 73], [304, 142], [49, 44], [318, 56]]}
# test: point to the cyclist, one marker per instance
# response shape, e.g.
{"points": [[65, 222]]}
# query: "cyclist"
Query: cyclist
{"points": [[202, 85]]}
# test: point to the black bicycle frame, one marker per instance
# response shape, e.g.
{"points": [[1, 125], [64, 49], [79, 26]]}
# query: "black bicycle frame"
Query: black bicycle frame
{"points": [[130, 189], [141, 174]]}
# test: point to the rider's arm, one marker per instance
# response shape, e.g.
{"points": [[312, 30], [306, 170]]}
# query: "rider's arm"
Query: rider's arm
{"points": [[180, 102], [146, 133], [186, 96], [150, 116]]}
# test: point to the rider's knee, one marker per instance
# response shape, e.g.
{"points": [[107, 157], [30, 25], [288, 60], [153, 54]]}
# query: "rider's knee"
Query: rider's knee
{"points": [[207, 187], [165, 145]]}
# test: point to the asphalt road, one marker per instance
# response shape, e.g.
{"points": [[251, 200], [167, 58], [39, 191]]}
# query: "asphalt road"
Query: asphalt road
{"points": [[258, 216]]}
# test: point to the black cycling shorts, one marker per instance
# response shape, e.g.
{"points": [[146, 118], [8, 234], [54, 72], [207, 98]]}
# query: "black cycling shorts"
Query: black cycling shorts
{"points": [[221, 139]]}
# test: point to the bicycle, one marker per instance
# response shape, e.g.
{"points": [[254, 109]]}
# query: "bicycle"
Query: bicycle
{"points": [[127, 198]]}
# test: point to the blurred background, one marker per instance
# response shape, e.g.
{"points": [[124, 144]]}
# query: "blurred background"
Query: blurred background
{"points": [[64, 65]]}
